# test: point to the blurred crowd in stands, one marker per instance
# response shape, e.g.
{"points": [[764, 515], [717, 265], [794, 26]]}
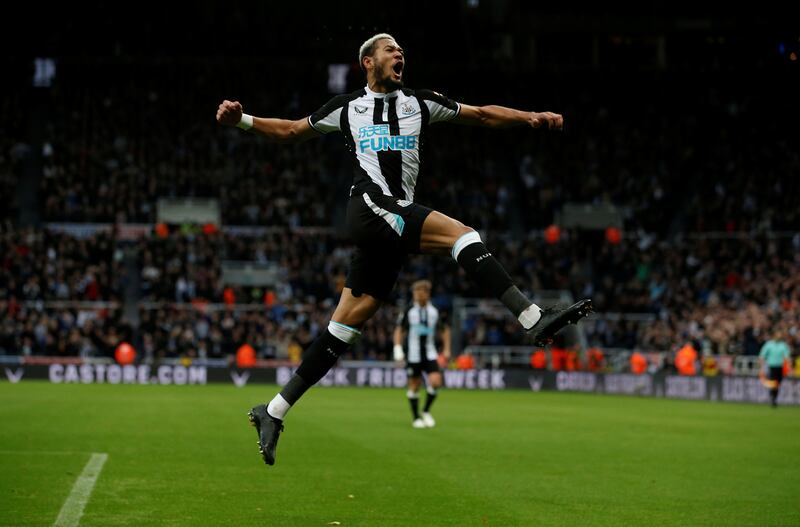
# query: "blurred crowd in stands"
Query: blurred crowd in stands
{"points": [[724, 295], [40, 264], [61, 332], [705, 184], [712, 166]]}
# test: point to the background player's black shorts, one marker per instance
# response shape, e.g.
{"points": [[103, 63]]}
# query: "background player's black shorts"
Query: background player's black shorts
{"points": [[415, 369], [385, 230], [776, 373]]}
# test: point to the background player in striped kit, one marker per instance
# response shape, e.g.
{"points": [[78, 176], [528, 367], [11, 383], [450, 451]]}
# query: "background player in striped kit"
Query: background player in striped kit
{"points": [[417, 326], [384, 126]]}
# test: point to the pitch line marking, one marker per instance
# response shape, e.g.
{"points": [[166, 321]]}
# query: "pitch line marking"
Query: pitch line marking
{"points": [[72, 510]]}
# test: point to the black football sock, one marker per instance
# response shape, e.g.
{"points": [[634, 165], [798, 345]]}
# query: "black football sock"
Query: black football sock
{"points": [[429, 400], [471, 253], [317, 360], [413, 400]]}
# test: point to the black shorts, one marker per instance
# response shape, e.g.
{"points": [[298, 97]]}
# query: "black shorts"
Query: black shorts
{"points": [[776, 373], [415, 369], [385, 230]]}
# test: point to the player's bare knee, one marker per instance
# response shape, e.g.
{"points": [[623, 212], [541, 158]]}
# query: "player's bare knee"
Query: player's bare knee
{"points": [[355, 311], [458, 230], [463, 236]]}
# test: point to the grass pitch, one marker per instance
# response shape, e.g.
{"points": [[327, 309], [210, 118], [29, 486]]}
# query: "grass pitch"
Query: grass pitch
{"points": [[185, 456]]}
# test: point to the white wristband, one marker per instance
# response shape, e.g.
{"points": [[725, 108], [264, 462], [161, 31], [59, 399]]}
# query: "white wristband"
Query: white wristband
{"points": [[398, 352], [246, 122]]}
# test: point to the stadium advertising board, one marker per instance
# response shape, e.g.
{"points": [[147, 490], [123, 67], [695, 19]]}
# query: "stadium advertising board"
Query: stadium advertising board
{"points": [[718, 388]]}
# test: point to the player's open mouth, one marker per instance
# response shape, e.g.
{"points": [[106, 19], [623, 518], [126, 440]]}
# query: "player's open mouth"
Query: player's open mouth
{"points": [[398, 68]]}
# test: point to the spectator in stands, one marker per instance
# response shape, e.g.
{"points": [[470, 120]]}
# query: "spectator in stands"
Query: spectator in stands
{"points": [[686, 360], [638, 363], [539, 360], [465, 361], [595, 360]]}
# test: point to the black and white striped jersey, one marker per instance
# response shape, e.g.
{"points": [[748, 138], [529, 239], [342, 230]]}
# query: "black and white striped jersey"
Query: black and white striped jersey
{"points": [[420, 324], [384, 133]]}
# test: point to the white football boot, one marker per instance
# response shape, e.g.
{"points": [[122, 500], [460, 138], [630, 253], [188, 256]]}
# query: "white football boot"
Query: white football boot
{"points": [[428, 420]]}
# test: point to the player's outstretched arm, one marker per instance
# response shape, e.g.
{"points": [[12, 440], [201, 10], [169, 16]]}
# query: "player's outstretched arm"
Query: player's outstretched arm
{"points": [[230, 113], [501, 117], [446, 342]]}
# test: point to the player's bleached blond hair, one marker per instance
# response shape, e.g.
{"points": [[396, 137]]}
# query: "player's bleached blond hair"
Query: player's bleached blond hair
{"points": [[422, 284], [368, 47]]}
